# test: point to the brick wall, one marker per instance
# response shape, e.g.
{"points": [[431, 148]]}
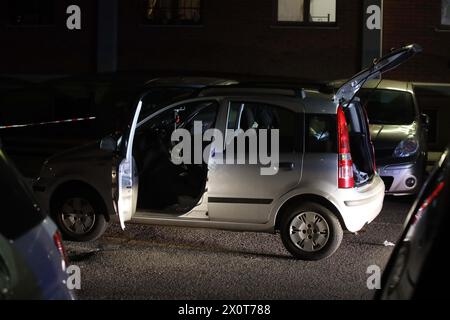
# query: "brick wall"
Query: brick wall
{"points": [[49, 49], [242, 37], [237, 37], [407, 21]]}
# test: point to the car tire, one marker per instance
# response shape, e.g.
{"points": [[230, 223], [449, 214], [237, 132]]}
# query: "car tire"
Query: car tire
{"points": [[308, 224], [84, 211]]}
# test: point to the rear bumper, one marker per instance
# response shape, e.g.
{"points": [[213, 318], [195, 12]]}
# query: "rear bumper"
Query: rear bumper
{"points": [[396, 176], [360, 206], [48, 266]]}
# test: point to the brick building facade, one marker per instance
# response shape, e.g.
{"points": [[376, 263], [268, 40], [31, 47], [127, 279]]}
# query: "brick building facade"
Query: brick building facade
{"points": [[419, 21], [231, 36], [44, 45]]}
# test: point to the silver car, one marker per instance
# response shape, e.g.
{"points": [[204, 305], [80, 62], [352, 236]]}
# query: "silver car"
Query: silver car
{"points": [[323, 182], [399, 134]]}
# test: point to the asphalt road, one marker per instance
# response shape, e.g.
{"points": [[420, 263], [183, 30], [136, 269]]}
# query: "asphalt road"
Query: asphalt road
{"points": [[152, 262]]}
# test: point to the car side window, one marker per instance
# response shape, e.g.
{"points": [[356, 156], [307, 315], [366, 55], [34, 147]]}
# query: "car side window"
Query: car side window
{"points": [[321, 134], [254, 115]]}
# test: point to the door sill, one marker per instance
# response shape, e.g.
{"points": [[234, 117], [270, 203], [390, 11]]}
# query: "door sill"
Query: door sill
{"points": [[191, 215], [152, 214]]}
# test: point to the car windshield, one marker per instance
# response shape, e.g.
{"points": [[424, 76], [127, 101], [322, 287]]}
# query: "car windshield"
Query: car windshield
{"points": [[388, 106], [159, 97], [19, 210]]}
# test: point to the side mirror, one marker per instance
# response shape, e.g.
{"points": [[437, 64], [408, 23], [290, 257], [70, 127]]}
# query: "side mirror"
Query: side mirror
{"points": [[425, 120], [108, 144]]}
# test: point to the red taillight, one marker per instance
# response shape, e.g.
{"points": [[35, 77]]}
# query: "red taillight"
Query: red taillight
{"points": [[345, 163], [427, 202], [59, 245]]}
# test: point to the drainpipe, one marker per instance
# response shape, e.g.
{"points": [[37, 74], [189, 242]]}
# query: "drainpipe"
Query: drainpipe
{"points": [[107, 22], [372, 35]]}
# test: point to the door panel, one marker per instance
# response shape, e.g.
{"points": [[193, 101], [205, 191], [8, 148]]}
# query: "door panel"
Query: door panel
{"points": [[168, 151], [240, 192], [128, 177], [128, 190]]}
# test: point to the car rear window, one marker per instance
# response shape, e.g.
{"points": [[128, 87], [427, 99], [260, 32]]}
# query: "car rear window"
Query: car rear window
{"points": [[388, 106], [321, 134], [18, 211]]}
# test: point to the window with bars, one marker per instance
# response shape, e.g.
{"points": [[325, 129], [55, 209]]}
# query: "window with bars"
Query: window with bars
{"points": [[306, 12], [445, 13], [30, 12], [173, 12]]}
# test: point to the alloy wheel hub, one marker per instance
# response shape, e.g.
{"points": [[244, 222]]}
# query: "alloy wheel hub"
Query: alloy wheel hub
{"points": [[78, 215], [309, 231]]}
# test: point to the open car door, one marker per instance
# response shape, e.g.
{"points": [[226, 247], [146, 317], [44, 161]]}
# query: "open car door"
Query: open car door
{"points": [[386, 63], [128, 180]]}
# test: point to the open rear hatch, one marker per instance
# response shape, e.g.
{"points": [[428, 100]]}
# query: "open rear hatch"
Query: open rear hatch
{"points": [[361, 146]]}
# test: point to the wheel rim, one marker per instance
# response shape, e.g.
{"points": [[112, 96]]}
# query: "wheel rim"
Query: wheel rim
{"points": [[78, 215], [309, 231]]}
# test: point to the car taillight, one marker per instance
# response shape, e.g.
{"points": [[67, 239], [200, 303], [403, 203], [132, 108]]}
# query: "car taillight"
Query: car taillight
{"points": [[427, 202], [345, 163], [59, 245]]}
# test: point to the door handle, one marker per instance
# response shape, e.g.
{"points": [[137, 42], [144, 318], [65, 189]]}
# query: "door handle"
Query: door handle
{"points": [[287, 165]]}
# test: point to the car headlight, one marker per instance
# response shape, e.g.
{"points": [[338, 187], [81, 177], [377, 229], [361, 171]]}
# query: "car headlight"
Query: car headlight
{"points": [[406, 148]]}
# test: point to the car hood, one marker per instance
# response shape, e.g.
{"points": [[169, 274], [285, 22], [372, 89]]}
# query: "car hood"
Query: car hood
{"points": [[386, 136]]}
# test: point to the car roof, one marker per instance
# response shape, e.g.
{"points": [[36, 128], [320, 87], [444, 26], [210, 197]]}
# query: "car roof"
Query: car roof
{"points": [[318, 102], [312, 101], [389, 85], [194, 82]]}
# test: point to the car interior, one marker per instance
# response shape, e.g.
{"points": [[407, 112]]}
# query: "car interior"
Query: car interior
{"points": [[165, 187], [253, 115]]}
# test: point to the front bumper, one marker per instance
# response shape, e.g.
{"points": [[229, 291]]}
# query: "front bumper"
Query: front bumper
{"points": [[402, 179]]}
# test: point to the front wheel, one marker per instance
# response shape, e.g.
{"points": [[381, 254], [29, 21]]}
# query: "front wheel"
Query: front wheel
{"points": [[310, 231], [79, 216]]}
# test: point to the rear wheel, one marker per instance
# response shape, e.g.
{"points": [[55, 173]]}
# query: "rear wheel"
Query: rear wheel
{"points": [[310, 231], [79, 216]]}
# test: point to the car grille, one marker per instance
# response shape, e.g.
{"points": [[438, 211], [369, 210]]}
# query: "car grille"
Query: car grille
{"points": [[388, 182]]}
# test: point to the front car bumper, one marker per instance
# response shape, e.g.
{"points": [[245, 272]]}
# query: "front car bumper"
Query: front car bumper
{"points": [[402, 179]]}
